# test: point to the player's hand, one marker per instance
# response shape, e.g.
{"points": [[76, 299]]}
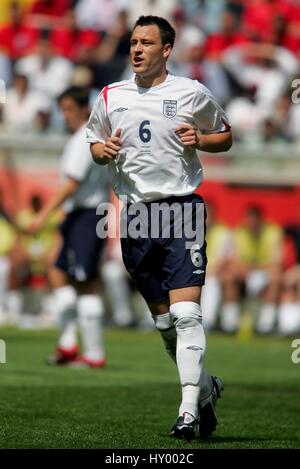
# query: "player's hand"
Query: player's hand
{"points": [[112, 146], [188, 135]]}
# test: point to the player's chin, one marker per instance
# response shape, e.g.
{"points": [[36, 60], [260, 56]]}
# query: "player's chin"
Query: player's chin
{"points": [[138, 68]]}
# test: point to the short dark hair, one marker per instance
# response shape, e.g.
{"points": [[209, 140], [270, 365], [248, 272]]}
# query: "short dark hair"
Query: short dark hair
{"points": [[79, 94], [167, 32]]}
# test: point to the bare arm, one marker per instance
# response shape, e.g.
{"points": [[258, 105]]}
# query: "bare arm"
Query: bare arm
{"points": [[69, 187], [213, 143]]}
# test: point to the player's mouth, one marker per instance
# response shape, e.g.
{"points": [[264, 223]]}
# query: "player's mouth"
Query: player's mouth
{"points": [[137, 61]]}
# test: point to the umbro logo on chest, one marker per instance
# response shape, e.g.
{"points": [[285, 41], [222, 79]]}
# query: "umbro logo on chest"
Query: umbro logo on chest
{"points": [[121, 109]]}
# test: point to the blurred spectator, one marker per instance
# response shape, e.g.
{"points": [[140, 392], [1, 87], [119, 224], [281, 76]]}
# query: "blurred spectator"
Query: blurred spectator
{"points": [[191, 62], [186, 33], [5, 68], [228, 35], [263, 19], [100, 15], [289, 310], [42, 122], [40, 248], [257, 268], [46, 72], [263, 67], [17, 38], [7, 241], [46, 14], [212, 11], [207, 14], [286, 117], [150, 7], [23, 104], [245, 116], [31, 258], [76, 44], [219, 251], [112, 55]]}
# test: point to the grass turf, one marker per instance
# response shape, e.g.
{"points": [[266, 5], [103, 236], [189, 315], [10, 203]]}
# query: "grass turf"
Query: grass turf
{"points": [[133, 401]]}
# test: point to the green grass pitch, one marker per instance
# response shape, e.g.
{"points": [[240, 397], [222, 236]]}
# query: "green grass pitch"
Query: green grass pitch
{"points": [[133, 402]]}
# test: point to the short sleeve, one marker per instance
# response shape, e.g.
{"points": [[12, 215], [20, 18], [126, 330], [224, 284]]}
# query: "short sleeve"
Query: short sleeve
{"points": [[77, 160], [208, 115], [98, 127]]}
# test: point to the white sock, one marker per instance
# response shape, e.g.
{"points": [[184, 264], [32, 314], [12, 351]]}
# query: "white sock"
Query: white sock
{"points": [[14, 305], [266, 318], [164, 324], [191, 344], [118, 292], [65, 299], [289, 318], [90, 312], [210, 300], [168, 332], [229, 317]]}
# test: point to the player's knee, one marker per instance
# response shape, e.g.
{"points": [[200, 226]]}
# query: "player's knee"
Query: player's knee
{"points": [[186, 314], [65, 298]]}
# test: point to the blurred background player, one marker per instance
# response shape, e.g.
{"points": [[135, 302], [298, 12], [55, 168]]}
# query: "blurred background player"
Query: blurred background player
{"points": [[257, 267], [36, 254], [75, 276], [289, 309], [7, 243], [219, 240]]}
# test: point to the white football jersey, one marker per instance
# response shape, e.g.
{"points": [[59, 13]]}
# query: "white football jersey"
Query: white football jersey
{"points": [[77, 163], [153, 163]]}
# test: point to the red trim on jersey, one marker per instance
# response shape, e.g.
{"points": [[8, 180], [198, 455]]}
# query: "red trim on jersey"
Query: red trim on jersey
{"points": [[105, 92], [227, 126]]}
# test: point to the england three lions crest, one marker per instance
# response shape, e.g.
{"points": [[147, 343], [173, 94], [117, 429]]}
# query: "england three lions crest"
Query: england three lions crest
{"points": [[169, 108]]}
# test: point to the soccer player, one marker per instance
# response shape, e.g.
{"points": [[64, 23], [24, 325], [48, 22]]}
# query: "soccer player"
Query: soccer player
{"points": [[147, 130], [74, 276]]}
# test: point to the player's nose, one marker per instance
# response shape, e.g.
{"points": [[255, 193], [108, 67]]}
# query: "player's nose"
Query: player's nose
{"points": [[138, 48]]}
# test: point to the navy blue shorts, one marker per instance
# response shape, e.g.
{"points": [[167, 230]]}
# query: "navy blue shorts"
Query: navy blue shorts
{"points": [[80, 253], [163, 245]]}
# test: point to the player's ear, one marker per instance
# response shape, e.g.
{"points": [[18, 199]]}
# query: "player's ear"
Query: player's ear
{"points": [[167, 50]]}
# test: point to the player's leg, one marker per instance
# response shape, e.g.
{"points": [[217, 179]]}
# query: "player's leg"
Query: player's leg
{"points": [[90, 315], [186, 315], [200, 390], [117, 287], [289, 308], [231, 292], [269, 290], [184, 270], [211, 300], [84, 269], [4, 281], [65, 299]]}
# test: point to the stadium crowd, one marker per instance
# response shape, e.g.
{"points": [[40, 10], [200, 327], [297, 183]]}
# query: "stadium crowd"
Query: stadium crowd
{"points": [[246, 52]]}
